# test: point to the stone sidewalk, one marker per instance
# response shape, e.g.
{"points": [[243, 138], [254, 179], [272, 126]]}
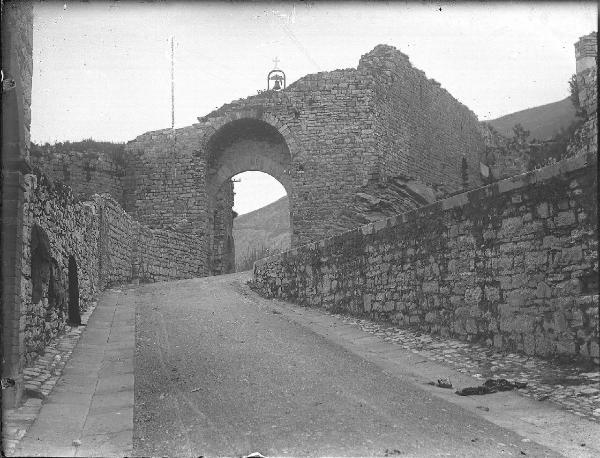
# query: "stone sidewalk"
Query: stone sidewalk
{"points": [[90, 410], [38, 379]]}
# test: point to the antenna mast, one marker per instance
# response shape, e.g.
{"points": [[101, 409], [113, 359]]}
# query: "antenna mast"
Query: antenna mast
{"points": [[172, 87]]}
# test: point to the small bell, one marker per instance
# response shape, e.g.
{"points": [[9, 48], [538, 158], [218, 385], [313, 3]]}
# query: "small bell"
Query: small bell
{"points": [[277, 86]]}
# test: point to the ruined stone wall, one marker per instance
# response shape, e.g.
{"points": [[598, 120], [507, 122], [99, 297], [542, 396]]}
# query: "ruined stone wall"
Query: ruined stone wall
{"points": [[132, 251], [503, 159], [326, 123], [167, 181], [70, 228], [108, 246], [335, 140], [86, 173], [333, 123], [513, 264], [422, 132], [586, 137], [164, 184]]}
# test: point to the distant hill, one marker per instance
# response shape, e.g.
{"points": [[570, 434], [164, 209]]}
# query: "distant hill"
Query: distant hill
{"points": [[543, 122], [267, 227]]}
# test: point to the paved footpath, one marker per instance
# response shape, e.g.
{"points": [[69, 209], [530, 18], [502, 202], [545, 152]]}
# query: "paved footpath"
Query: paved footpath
{"points": [[90, 410]]}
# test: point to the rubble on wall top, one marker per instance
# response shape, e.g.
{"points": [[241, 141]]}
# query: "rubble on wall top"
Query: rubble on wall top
{"points": [[590, 38]]}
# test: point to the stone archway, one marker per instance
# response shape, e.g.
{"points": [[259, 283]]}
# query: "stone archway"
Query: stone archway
{"points": [[241, 145]]}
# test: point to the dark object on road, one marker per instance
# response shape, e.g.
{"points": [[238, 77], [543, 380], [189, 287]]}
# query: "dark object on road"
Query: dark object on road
{"points": [[7, 382], [444, 383], [491, 386]]}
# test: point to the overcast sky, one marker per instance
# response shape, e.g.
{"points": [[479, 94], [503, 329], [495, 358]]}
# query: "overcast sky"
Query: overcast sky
{"points": [[102, 69]]}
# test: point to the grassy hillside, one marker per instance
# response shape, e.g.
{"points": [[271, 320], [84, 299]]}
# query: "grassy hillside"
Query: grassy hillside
{"points": [[543, 122], [267, 227]]}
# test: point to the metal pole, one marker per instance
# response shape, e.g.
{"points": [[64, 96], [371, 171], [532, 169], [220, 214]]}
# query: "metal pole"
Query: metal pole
{"points": [[172, 88]]}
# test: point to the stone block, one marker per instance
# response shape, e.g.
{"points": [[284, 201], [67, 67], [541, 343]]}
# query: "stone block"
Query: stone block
{"points": [[473, 295], [572, 255], [517, 298], [565, 218], [543, 291], [543, 210], [492, 293]]}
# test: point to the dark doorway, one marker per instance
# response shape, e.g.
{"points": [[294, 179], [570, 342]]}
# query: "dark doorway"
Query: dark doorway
{"points": [[40, 264], [74, 314]]}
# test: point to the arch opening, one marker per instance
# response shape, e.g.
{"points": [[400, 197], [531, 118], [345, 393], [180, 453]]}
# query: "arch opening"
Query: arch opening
{"points": [[262, 226], [45, 313], [243, 145]]}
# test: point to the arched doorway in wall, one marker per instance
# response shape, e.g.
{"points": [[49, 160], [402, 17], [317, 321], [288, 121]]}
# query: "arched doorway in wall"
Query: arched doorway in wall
{"points": [[74, 312], [42, 319], [40, 264], [242, 145]]}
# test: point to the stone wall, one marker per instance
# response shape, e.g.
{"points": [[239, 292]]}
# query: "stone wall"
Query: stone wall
{"points": [[586, 53], [223, 249], [164, 185], [64, 228], [335, 140], [17, 66], [131, 251], [421, 131], [86, 172], [107, 245], [513, 264]]}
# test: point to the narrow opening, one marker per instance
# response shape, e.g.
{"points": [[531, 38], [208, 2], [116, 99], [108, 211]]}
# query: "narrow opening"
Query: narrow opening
{"points": [[39, 323], [74, 313], [40, 267], [262, 227], [464, 173]]}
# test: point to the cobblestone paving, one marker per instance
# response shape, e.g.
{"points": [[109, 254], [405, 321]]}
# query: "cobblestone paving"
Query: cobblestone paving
{"points": [[38, 381], [575, 388]]}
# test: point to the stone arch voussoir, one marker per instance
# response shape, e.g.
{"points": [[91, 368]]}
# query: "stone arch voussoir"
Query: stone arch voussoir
{"points": [[214, 125]]}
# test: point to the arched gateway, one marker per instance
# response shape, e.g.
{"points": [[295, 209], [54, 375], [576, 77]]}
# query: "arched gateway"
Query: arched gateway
{"points": [[349, 146], [239, 146]]}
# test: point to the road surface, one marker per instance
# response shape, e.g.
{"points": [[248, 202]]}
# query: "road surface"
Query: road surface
{"points": [[220, 372]]}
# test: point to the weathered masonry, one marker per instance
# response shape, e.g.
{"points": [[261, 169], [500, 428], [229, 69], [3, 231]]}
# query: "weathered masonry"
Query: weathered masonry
{"points": [[334, 140], [513, 264]]}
